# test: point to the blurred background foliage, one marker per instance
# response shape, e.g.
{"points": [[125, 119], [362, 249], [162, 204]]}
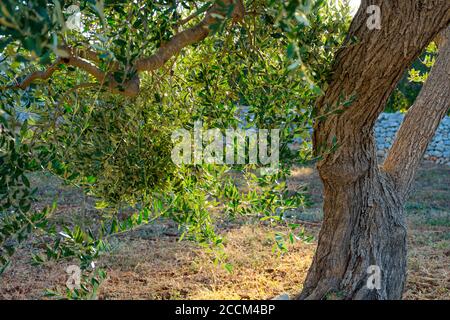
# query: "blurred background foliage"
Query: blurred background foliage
{"points": [[410, 85]]}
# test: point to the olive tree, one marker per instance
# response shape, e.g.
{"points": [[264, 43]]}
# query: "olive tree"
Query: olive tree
{"points": [[123, 47]]}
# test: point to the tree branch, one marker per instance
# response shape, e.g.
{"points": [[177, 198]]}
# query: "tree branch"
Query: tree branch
{"points": [[43, 75], [79, 57], [421, 120], [189, 36], [128, 88], [188, 18]]}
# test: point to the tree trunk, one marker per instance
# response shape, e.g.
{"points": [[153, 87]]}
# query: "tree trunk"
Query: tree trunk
{"points": [[364, 223]]}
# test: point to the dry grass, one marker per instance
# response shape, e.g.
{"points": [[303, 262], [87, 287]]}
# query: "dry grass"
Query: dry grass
{"points": [[428, 264], [151, 265], [164, 269]]}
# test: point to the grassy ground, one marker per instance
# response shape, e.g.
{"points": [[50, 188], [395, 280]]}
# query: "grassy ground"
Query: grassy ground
{"points": [[152, 264]]}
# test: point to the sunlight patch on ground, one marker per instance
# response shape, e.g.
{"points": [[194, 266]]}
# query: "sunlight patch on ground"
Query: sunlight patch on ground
{"points": [[302, 172], [179, 270]]}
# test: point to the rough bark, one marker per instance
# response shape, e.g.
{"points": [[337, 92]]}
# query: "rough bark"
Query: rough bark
{"points": [[364, 223], [421, 121]]}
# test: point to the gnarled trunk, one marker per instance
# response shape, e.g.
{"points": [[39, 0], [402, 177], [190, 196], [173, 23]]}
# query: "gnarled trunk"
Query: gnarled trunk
{"points": [[364, 223]]}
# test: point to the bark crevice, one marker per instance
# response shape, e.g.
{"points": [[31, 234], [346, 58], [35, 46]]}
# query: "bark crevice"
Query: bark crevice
{"points": [[421, 121], [364, 222]]}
